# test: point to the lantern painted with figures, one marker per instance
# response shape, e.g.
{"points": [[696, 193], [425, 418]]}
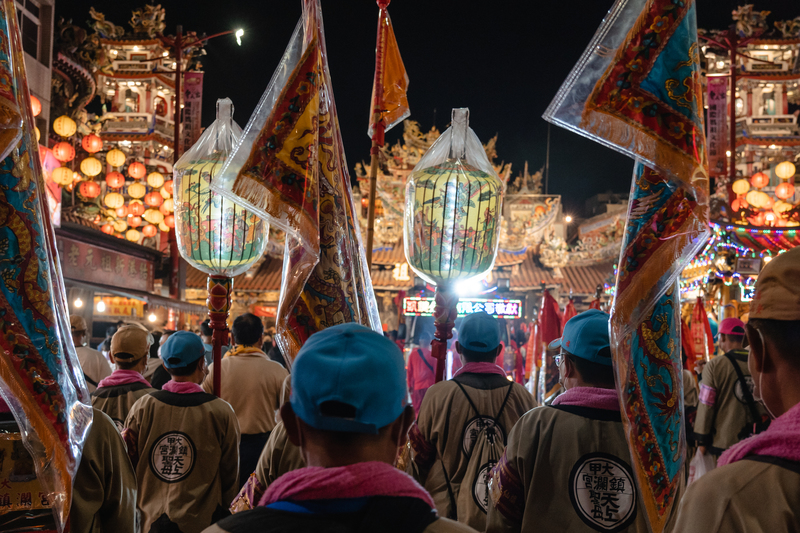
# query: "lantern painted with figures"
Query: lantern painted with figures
{"points": [[452, 220], [215, 235]]}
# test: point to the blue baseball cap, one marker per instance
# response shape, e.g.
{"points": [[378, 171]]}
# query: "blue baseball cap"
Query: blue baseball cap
{"points": [[352, 365], [586, 336], [479, 332], [182, 348]]}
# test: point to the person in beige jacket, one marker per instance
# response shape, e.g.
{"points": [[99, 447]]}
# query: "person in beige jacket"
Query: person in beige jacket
{"points": [[252, 384], [349, 427], [184, 444], [567, 465], [756, 485], [455, 417], [95, 367]]}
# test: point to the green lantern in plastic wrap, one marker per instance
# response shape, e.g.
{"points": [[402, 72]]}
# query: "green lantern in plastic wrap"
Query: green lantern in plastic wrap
{"points": [[452, 220], [215, 235]]}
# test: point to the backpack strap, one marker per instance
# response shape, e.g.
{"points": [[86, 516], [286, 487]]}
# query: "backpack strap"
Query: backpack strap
{"points": [[748, 397], [453, 506], [422, 356], [89, 380]]}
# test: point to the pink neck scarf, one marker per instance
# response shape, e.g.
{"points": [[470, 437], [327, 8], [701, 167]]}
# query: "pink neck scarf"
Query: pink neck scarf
{"points": [[183, 387], [589, 397], [781, 439], [122, 377], [358, 480], [480, 368]]}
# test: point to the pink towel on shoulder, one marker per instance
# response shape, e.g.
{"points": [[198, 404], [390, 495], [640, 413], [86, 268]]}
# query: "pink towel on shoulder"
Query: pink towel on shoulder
{"points": [[781, 439], [589, 397], [122, 377], [183, 387], [358, 480], [480, 368]]}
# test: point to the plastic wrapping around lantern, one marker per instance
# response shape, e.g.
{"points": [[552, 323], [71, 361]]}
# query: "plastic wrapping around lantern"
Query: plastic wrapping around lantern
{"points": [[215, 235], [453, 205]]}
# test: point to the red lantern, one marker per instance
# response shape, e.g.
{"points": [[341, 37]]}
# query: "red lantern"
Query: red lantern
{"points": [[136, 208], [108, 229], [64, 152], [739, 203], [36, 106], [89, 189], [134, 222], [92, 143], [136, 170], [784, 191], [114, 179], [759, 180], [121, 212], [169, 186], [149, 230], [153, 199], [169, 220]]}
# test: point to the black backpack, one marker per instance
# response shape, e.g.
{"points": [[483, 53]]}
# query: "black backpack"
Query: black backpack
{"points": [[760, 422]]}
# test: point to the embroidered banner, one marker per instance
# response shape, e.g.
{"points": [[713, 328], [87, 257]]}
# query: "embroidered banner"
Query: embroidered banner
{"points": [[717, 137], [290, 169]]}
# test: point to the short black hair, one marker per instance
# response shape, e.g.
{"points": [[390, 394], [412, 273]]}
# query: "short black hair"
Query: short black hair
{"points": [[185, 370], [128, 364], [784, 334], [205, 328], [594, 373], [472, 356], [155, 345], [732, 337], [247, 329]]}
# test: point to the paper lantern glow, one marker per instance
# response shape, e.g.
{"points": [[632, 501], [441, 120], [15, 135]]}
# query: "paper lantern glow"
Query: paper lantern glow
{"points": [[785, 170], [36, 106], [784, 190], [91, 166], [89, 189], [132, 235], [115, 157], [115, 180], [759, 180], [136, 190], [64, 152], [134, 222], [153, 199], [92, 143], [153, 216], [155, 179], [62, 176], [741, 186], [114, 200], [136, 170], [758, 199], [136, 208], [149, 230], [65, 126]]}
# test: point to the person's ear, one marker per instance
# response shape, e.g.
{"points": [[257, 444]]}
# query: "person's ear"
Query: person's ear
{"points": [[500, 348], [458, 347], [111, 358], [291, 423], [756, 349], [569, 369]]}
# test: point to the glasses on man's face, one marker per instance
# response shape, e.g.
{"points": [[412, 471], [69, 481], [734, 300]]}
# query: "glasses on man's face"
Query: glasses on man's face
{"points": [[558, 358]]}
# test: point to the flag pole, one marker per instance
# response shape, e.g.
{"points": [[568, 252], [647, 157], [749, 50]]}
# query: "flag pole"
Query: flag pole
{"points": [[378, 127]]}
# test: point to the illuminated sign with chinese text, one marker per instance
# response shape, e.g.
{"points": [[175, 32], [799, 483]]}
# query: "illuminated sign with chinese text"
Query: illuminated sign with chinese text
{"points": [[499, 308]]}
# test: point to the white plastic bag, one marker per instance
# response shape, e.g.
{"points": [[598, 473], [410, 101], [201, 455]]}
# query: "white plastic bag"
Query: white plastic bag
{"points": [[701, 465]]}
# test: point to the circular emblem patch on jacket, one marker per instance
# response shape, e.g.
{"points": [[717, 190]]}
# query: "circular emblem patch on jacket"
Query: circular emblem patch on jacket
{"points": [[480, 487], [172, 457], [473, 427], [603, 492]]}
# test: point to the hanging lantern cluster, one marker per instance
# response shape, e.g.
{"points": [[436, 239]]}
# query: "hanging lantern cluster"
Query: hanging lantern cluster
{"points": [[757, 207]]}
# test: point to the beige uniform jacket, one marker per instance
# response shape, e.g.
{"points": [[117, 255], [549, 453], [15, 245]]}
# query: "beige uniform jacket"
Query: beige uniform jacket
{"points": [[116, 401], [152, 364], [689, 389], [565, 468], [252, 384], [278, 457], [445, 433], [722, 413], [753, 495], [104, 496], [186, 453], [95, 367]]}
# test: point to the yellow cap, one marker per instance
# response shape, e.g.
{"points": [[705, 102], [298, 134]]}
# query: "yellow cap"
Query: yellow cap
{"points": [[778, 289]]}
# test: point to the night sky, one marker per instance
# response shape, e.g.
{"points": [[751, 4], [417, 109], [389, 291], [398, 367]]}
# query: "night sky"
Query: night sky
{"points": [[505, 60]]}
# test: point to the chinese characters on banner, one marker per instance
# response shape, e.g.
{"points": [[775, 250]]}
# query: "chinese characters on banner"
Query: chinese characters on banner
{"points": [[717, 125], [84, 262], [192, 110], [118, 306], [20, 489], [415, 306]]}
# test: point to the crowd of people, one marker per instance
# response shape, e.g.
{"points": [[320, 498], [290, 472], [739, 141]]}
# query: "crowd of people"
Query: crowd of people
{"points": [[357, 439]]}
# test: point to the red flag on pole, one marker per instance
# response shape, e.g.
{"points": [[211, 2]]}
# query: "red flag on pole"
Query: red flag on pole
{"points": [[549, 318], [702, 339], [569, 312]]}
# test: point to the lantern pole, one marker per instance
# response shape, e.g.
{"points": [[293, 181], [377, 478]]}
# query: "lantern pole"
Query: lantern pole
{"points": [[378, 128], [219, 306], [444, 318]]}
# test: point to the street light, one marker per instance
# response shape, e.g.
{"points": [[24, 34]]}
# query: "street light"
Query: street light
{"points": [[567, 219], [239, 34]]}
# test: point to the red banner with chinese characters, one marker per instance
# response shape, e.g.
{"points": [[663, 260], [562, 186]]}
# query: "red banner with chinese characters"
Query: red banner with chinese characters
{"points": [[717, 126], [270, 311], [85, 262], [192, 108]]}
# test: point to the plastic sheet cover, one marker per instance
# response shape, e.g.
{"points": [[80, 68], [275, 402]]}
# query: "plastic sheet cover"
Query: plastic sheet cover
{"points": [[215, 235], [290, 169], [454, 201], [42, 381], [637, 89]]}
